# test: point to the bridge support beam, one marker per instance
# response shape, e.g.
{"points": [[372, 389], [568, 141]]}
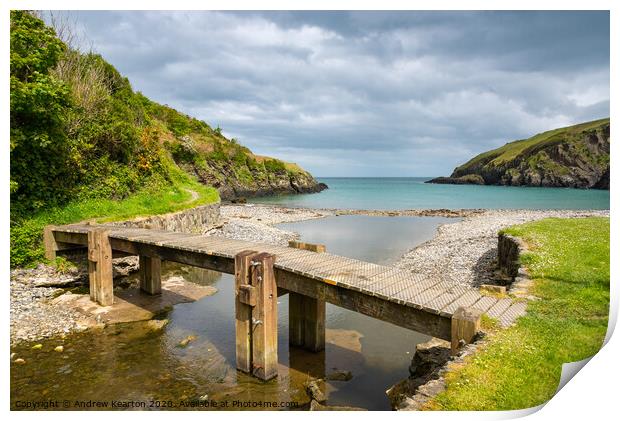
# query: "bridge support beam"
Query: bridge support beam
{"points": [[306, 322], [256, 313], [52, 247], [150, 275], [306, 314], [100, 267]]}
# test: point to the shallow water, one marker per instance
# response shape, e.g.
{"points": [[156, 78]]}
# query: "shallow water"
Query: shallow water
{"points": [[132, 363], [413, 193]]}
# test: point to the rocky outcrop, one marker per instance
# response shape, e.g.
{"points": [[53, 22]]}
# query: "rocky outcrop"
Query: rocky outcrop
{"points": [[239, 181], [576, 156], [466, 179], [424, 380]]}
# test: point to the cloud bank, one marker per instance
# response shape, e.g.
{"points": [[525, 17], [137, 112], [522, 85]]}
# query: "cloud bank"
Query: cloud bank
{"points": [[366, 93]]}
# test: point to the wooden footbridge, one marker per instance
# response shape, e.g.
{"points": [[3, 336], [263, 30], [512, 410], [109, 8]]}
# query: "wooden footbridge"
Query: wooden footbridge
{"points": [[263, 272]]}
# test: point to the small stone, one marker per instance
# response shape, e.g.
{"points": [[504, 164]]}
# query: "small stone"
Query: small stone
{"points": [[59, 348], [186, 341], [495, 289], [314, 391], [340, 376], [315, 406], [203, 398], [37, 346], [19, 361], [156, 325]]}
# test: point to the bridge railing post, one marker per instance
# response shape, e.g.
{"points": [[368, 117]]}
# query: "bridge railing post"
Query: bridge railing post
{"points": [[100, 267]]}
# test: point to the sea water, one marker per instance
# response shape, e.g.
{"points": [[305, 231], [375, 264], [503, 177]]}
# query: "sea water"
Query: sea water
{"points": [[414, 193]]}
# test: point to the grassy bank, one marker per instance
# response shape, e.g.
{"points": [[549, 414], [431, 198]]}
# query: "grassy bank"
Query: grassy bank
{"points": [[520, 367], [157, 197]]}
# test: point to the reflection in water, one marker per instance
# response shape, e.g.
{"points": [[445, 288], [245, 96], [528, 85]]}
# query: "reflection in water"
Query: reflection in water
{"points": [[135, 362]]}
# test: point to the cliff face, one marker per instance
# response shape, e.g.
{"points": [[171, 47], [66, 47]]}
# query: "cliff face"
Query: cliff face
{"points": [[248, 179], [576, 156]]}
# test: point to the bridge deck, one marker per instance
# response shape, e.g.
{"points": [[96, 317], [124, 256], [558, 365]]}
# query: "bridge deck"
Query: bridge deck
{"points": [[397, 296]]}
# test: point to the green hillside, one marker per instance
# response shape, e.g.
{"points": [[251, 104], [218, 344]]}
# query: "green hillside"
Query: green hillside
{"points": [[575, 156], [84, 144]]}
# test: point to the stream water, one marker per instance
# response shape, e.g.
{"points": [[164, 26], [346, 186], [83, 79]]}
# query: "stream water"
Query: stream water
{"points": [[132, 366]]}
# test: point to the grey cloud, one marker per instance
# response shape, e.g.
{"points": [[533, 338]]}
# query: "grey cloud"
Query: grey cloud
{"points": [[366, 93]]}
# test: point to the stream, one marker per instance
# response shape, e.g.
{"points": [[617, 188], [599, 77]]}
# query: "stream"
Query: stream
{"points": [[136, 367]]}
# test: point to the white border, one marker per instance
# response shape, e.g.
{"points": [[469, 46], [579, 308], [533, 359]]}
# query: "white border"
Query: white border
{"points": [[593, 391]]}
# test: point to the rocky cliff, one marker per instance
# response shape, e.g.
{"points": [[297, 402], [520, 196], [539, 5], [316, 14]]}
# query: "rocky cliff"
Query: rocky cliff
{"points": [[575, 156], [233, 169], [240, 180]]}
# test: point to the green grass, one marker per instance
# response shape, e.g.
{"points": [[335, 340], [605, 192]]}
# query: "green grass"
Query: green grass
{"points": [[511, 150], [157, 198], [520, 367]]}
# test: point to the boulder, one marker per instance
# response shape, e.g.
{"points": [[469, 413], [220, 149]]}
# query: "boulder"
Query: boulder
{"points": [[429, 357], [315, 390], [316, 406], [339, 376]]}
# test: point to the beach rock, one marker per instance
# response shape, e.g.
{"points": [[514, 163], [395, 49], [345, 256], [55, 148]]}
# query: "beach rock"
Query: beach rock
{"points": [[186, 341], [19, 361], [316, 406], [428, 357], [59, 282], [315, 390], [125, 266], [156, 325], [339, 375], [493, 289], [59, 348], [37, 346]]}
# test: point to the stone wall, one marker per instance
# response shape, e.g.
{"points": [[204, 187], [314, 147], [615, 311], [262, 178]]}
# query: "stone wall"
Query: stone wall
{"points": [[509, 249], [193, 221]]}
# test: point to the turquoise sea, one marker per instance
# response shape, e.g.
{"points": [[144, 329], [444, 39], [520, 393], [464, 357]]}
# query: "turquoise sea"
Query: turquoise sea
{"points": [[413, 193]]}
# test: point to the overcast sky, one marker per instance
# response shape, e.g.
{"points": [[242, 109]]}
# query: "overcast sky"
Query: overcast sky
{"points": [[366, 93]]}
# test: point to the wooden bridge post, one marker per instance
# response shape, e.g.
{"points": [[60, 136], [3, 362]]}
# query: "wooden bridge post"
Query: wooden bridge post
{"points": [[100, 267], [314, 328], [296, 319], [243, 311], [264, 317], [306, 314], [465, 325], [150, 275]]}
